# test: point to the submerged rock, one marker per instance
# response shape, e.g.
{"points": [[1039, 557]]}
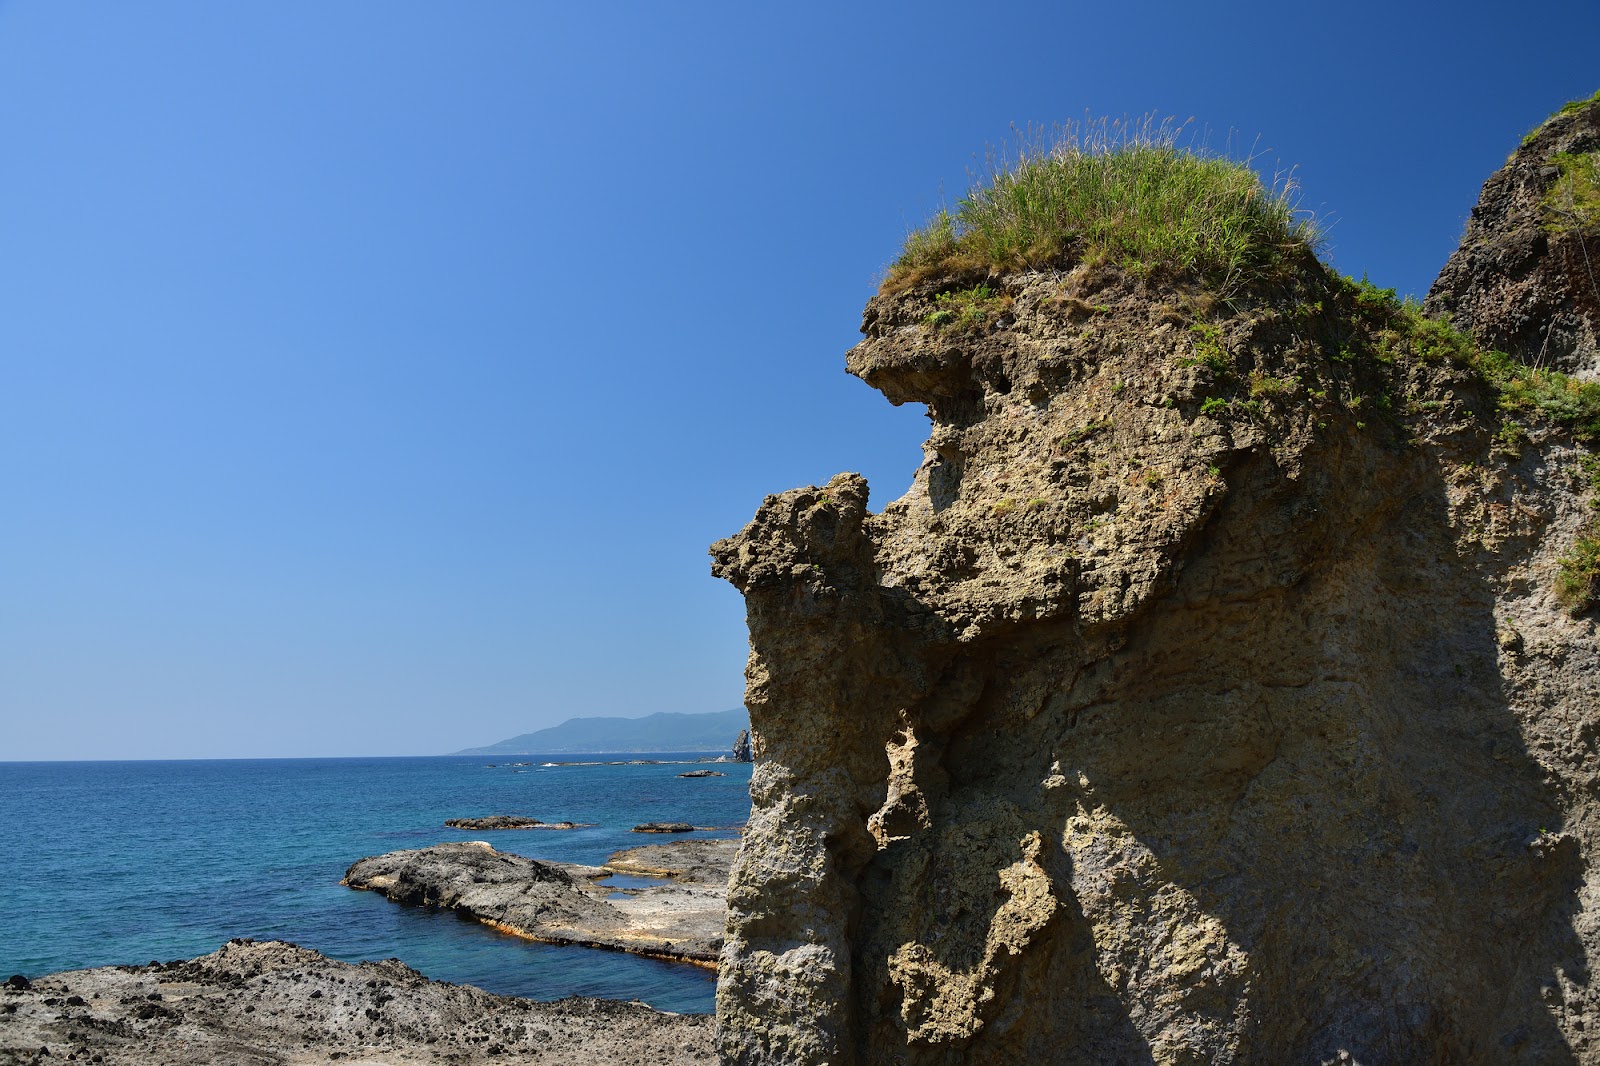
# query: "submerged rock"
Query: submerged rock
{"points": [[703, 773], [274, 1002], [663, 827], [1207, 699]]}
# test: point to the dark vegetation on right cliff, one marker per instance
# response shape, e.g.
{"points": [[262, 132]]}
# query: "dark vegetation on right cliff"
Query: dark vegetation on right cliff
{"points": [[1226, 687]]}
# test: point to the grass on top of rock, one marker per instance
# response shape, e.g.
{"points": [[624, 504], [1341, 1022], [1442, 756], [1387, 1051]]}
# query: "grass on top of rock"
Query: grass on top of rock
{"points": [[1568, 108], [1128, 193], [1579, 104]]}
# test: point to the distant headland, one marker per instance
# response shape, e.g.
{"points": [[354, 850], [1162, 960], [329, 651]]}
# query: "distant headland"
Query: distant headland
{"points": [[662, 731]]}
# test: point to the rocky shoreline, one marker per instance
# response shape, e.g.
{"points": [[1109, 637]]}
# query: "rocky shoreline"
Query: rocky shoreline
{"points": [[561, 903], [274, 1002]]}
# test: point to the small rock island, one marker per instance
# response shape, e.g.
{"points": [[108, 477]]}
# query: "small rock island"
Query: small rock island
{"points": [[509, 821]]}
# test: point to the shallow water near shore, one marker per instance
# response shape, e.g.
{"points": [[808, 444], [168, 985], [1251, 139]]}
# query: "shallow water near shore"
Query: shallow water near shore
{"points": [[125, 862]]}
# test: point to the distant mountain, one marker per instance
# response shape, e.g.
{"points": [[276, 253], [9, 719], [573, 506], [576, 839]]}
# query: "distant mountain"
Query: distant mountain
{"points": [[663, 731]]}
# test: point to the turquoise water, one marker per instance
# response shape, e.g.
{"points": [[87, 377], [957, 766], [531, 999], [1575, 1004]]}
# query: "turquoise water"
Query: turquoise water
{"points": [[125, 862]]}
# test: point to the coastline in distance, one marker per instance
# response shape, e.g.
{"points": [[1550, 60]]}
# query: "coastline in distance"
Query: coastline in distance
{"points": [[662, 731]]}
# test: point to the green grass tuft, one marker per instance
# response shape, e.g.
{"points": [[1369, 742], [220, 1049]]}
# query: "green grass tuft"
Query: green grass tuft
{"points": [[1125, 193], [1578, 105], [1567, 108], [1578, 581], [967, 308], [1404, 332], [1573, 202]]}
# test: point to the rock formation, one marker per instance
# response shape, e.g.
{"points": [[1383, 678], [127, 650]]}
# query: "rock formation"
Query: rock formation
{"points": [[1207, 699], [741, 747], [508, 821], [565, 904], [1526, 279], [272, 1002]]}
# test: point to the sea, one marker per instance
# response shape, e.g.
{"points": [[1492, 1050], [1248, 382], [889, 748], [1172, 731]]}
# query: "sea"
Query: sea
{"points": [[127, 862]]}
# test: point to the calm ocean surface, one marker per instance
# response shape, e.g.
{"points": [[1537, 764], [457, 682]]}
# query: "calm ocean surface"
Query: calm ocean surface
{"points": [[125, 862]]}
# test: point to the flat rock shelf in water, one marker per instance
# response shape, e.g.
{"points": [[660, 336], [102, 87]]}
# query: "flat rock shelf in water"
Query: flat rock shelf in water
{"points": [[273, 1002], [560, 903]]}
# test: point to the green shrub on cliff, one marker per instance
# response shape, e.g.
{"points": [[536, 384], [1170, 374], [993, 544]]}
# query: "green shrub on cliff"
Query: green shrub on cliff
{"points": [[1568, 108], [1578, 582], [967, 307], [1573, 202], [1129, 194], [1402, 331], [1572, 106]]}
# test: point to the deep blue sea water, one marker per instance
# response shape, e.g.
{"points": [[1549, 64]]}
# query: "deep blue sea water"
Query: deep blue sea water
{"points": [[125, 862]]}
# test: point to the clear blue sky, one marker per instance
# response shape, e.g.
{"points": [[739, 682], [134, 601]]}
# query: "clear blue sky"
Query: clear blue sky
{"points": [[373, 376]]}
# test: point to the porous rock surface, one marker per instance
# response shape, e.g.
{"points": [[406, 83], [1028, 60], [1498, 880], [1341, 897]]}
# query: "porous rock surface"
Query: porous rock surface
{"points": [[682, 918], [1142, 730], [255, 1004], [1526, 279]]}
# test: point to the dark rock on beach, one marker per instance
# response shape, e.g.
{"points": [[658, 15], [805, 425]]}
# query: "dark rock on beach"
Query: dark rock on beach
{"points": [[554, 902], [274, 1002]]}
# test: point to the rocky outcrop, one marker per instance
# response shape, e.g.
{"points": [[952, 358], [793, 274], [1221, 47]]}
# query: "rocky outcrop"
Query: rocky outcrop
{"points": [[277, 1003], [564, 904], [663, 827], [703, 773], [508, 821], [741, 747], [1526, 279], [1205, 700]]}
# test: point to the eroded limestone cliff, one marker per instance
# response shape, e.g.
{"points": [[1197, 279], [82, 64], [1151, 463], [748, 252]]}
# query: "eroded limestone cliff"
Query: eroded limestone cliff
{"points": [[1207, 699]]}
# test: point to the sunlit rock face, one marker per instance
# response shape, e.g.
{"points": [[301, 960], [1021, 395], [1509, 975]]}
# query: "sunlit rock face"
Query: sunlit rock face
{"points": [[1205, 700]]}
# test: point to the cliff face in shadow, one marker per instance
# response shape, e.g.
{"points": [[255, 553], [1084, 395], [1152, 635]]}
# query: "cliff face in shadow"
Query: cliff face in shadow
{"points": [[1205, 700]]}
